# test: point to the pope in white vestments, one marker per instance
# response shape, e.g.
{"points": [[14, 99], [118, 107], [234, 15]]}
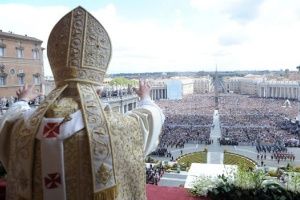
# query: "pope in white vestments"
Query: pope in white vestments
{"points": [[71, 146]]}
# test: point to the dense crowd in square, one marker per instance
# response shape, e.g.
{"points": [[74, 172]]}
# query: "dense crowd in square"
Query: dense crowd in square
{"points": [[249, 120], [245, 120], [187, 121]]}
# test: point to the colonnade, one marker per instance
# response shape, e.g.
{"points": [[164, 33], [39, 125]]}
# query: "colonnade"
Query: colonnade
{"points": [[158, 93], [122, 104], [286, 92]]}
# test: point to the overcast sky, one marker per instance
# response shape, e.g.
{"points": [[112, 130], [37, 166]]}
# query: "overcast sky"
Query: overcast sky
{"points": [[177, 35]]}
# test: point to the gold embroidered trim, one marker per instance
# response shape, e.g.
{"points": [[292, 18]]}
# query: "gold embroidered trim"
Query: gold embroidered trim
{"points": [[108, 194], [21, 157], [79, 48], [84, 81], [99, 138]]}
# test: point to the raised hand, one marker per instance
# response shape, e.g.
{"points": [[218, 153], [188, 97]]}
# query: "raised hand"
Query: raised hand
{"points": [[27, 93], [143, 90]]}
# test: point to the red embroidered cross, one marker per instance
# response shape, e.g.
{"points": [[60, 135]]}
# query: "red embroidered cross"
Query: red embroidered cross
{"points": [[51, 130], [52, 181]]}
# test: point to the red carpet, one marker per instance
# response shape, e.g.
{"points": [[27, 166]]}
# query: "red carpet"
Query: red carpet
{"points": [[153, 193], [169, 193]]}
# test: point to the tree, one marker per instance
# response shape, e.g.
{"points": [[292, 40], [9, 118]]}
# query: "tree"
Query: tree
{"points": [[122, 81]]}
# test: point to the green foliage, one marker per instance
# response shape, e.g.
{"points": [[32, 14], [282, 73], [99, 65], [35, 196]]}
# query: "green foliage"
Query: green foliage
{"points": [[247, 185], [229, 191], [235, 159], [296, 169], [246, 178], [174, 167], [167, 166], [273, 173], [197, 157], [183, 167], [226, 190], [122, 81], [291, 168], [151, 160], [294, 181]]}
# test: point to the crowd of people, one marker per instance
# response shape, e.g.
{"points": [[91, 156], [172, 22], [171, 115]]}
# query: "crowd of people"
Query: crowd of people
{"points": [[6, 102], [244, 120], [193, 104], [162, 152], [277, 152], [248, 120], [153, 174], [187, 121], [240, 104], [178, 136]]}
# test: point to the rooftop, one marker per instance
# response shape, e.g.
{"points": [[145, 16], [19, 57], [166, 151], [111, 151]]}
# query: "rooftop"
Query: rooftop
{"points": [[16, 36]]}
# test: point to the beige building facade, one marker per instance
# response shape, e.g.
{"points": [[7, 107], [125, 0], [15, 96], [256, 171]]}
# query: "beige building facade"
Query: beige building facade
{"points": [[243, 85], [21, 61], [203, 85], [187, 86], [49, 84]]}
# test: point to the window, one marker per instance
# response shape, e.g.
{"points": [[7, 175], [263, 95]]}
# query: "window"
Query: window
{"points": [[35, 54], [3, 75], [36, 79], [1, 51], [2, 47], [2, 80], [20, 53], [21, 77], [21, 80]]}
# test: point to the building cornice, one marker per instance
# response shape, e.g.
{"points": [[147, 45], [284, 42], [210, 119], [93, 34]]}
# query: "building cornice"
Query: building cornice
{"points": [[19, 37]]}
